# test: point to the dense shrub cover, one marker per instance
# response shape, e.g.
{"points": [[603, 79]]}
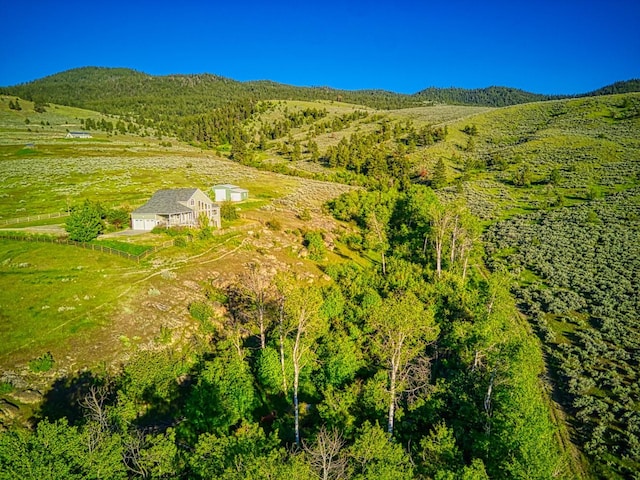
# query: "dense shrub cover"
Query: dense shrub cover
{"points": [[580, 268]]}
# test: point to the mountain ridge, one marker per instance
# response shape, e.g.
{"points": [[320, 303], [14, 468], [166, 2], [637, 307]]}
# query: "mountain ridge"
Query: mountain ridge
{"points": [[124, 91]]}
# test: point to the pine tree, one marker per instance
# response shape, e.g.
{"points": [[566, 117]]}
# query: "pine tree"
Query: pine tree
{"points": [[439, 179]]}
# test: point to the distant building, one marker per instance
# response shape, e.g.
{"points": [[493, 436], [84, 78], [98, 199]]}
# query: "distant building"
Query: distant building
{"points": [[79, 135], [175, 207], [228, 192]]}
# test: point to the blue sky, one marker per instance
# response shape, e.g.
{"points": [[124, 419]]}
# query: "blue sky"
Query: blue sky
{"points": [[403, 46]]}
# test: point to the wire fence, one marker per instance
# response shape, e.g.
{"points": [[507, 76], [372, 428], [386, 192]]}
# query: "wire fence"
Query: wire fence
{"points": [[33, 218], [86, 246]]}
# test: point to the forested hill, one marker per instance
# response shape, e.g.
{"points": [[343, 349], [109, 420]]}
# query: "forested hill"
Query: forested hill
{"points": [[628, 86], [489, 97], [124, 92]]}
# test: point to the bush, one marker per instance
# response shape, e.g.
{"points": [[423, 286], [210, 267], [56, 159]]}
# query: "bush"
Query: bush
{"points": [[228, 211], [305, 215], [6, 387], [274, 224], [315, 245], [200, 311], [43, 363]]}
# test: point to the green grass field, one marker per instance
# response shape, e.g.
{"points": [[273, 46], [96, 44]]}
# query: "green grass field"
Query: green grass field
{"points": [[50, 293], [61, 298]]}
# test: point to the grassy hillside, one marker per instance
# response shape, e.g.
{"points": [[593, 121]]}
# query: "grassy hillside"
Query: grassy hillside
{"points": [[555, 184], [562, 181]]}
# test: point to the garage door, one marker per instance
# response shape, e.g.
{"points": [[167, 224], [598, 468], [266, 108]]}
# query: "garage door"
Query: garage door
{"points": [[149, 224], [143, 224]]}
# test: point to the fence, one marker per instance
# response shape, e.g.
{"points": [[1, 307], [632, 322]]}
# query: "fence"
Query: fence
{"points": [[33, 218], [87, 246]]}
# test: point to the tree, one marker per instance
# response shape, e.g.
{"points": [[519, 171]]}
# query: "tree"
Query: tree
{"points": [[439, 178], [325, 454], [439, 451], [225, 394], [374, 457], [464, 234], [296, 153], [85, 222], [555, 177], [402, 328], [258, 288], [118, 217], [314, 151], [441, 218], [301, 310], [239, 150], [56, 450], [376, 236]]}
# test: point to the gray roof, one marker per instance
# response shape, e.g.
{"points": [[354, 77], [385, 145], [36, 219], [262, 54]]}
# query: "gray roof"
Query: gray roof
{"points": [[225, 185], [167, 201]]}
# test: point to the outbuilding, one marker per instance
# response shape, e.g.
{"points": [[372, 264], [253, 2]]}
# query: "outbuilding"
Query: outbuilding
{"points": [[231, 193], [79, 135]]}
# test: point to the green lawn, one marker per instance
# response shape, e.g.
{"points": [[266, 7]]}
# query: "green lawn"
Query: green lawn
{"points": [[49, 293]]}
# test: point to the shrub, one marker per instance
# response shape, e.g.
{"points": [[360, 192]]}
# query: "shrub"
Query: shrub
{"points": [[305, 215], [228, 211], [43, 363], [200, 311], [6, 387], [315, 245], [274, 224]]}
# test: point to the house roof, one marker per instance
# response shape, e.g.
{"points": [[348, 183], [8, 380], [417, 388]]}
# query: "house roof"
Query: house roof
{"points": [[168, 201], [226, 185]]}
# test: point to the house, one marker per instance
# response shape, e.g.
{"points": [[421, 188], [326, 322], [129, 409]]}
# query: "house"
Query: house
{"points": [[228, 192], [175, 207], [79, 135]]}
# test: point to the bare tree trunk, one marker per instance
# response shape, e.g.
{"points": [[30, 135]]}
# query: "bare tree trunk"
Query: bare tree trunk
{"points": [[464, 268], [384, 264], [296, 376], [455, 232], [393, 379], [392, 400], [476, 360], [263, 339], [282, 335], [487, 400]]}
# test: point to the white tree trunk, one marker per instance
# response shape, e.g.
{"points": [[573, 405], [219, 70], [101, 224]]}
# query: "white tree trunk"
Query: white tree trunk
{"points": [[392, 400]]}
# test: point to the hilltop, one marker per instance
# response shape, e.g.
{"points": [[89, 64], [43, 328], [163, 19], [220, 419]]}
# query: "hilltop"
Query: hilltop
{"points": [[124, 92]]}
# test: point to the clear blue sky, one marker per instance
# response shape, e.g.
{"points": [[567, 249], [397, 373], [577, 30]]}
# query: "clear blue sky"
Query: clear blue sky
{"points": [[547, 46]]}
